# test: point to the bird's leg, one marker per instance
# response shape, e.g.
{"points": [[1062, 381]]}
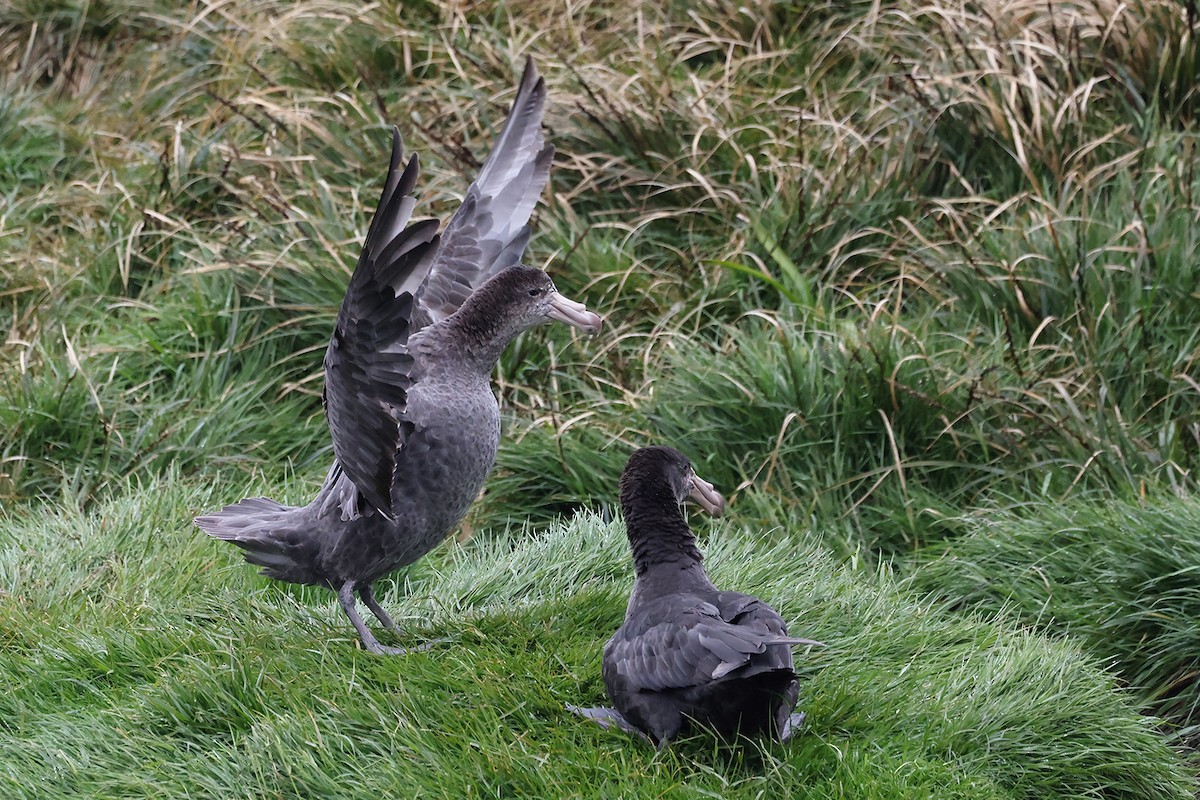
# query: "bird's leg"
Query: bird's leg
{"points": [[607, 718], [367, 593], [346, 598]]}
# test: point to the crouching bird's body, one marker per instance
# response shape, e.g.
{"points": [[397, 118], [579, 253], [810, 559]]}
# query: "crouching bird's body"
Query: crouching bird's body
{"points": [[408, 396], [688, 652]]}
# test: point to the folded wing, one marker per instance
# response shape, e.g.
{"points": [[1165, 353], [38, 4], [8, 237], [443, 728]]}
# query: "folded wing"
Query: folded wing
{"points": [[695, 645]]}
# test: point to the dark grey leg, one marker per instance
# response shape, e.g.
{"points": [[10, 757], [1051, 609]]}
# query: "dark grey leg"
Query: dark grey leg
{"points": [[367, 593], [346, 598], [607, 718]]}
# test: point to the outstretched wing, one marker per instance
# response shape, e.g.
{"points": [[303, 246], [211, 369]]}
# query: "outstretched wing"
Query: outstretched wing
{"points": [[489, 231], [409, 277], [693, 646], [367, 364]]}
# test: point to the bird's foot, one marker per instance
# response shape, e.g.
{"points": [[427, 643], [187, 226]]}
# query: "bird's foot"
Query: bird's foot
{"points": [[383, 650], [604, 717], [346, 598], [608, 718], [791, 725]]}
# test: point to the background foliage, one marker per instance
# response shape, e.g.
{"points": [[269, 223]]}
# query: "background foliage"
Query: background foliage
{"points": [[915, 284]]}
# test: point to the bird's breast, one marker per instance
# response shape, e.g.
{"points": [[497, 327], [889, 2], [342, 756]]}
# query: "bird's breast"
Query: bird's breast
{"points": [[451, 451]]}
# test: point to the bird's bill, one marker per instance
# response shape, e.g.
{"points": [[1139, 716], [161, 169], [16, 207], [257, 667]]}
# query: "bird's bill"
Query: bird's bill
{"points": [[574, 314], [709, 498]]}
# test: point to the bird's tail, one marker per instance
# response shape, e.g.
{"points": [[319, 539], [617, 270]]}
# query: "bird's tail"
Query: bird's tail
{"points": [[273, 535], [794, 640]]}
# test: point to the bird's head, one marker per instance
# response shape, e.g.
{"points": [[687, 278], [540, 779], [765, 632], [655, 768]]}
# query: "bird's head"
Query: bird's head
{"points": [[671, 469]]}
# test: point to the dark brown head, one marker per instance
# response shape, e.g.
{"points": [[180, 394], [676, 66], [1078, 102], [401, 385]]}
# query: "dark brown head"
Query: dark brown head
{"points": [[654, 486], [515, 300], [668, 475], [519, 297]]}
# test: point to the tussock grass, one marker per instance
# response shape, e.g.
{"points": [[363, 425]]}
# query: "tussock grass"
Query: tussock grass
{"points": [[820, 167], [1120, 577], [881, 269], [144, 658]]}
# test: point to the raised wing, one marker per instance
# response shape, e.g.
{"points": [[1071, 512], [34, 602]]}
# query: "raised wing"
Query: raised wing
{"points": [[489, 231], [693, 646], [409, 277], [367, 364]]}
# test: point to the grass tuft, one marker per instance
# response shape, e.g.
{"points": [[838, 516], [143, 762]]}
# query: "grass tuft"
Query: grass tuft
{"points": [[1119, 577]]}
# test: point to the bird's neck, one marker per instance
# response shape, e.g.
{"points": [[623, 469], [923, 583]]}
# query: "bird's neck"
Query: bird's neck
{"points": [[659, 535], [480, 336]]}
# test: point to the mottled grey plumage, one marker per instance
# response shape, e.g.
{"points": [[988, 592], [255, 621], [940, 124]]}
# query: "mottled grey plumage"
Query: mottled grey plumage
{"points": [[688, 651], [408, 396]]}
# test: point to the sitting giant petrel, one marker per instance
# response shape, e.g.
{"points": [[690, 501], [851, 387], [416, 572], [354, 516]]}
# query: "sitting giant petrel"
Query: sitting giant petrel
{"points": [[687, 651]]}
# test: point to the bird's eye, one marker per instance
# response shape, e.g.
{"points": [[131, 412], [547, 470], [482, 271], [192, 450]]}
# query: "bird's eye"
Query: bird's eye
{"points": [[535, 292]]}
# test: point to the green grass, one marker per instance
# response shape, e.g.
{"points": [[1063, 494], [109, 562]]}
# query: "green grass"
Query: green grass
{"points": [[1119, 577], [913, 283], [143, 658]]}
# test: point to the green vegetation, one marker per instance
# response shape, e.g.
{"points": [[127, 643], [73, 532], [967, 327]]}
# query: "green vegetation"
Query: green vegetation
{"points": [[914, 284], [141, 661], [1122, 579]]}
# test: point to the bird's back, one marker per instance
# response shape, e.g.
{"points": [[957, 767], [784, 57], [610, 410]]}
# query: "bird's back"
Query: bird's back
{"points": [[719, 658]]}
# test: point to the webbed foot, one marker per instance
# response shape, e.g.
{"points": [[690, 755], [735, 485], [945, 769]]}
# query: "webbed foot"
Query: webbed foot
{"points": [[791, 725], [608, 718]]}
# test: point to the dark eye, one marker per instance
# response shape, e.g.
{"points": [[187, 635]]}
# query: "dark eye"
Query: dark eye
{"points": [[535, 292]]}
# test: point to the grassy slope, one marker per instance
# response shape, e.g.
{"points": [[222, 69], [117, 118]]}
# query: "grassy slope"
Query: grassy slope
{"points": [[1120, 578], [143, 660], [886, 271]]}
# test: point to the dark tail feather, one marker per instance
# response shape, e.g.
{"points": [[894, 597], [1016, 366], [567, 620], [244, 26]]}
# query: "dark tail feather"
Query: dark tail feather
{"points": [[774, 692], [272, 534]]}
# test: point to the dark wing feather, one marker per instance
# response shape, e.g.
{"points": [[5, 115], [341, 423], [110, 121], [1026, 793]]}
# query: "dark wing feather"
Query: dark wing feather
{"points": [[489, 231], [368, 369], [408, 277], [688, 645]]}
